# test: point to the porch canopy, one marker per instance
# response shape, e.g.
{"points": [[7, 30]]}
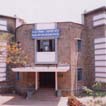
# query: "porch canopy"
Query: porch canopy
{"points": [[63, 68]]}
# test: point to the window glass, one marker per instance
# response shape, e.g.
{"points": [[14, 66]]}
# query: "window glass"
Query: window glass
{"points": [[46, 45], [79, 74], [78, 45], [3, 28], [3, 25]]}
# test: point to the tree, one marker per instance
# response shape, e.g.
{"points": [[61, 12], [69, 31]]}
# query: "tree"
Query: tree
{"points": [[16, 55]]}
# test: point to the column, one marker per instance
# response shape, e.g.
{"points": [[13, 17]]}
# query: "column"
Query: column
{"points": [[56, 82], [36, 80]]}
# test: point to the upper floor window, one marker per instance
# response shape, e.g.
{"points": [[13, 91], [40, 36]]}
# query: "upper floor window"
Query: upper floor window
{"points": [[46, 45], [79, 45], [79, 74], [3, 25]]}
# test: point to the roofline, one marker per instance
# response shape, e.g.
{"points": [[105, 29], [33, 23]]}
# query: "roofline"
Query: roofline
{"points": [[95, 10], [7, 16], [49, 22], [57, 22]]}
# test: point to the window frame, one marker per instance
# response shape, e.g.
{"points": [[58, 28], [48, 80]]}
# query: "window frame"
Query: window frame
{"points": [[79, 45], [48, 41], [56, 51], [3, 25]]}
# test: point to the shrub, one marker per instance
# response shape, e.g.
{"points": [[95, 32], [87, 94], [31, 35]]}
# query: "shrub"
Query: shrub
{"points": [[87, 90], [97, 86]]}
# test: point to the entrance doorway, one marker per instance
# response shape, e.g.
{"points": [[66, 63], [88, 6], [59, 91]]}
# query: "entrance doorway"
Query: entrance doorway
{"points": [[47, 79]]}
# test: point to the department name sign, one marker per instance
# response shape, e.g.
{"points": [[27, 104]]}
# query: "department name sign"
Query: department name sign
{"points": [[45, 33]]}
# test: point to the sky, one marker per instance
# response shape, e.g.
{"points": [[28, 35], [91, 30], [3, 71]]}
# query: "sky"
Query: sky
{"points": [[37, 11]]}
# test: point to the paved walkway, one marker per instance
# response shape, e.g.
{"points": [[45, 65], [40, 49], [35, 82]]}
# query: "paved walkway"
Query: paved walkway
{"points": [[15, 100]]}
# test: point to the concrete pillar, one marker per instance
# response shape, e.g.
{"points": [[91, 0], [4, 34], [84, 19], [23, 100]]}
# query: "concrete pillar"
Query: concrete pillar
{"points": [[36, 80], [56, 82]]}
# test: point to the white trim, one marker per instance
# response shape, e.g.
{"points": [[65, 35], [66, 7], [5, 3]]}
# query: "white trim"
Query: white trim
{"points": [[99, 22], [100, 63], [100, 51], [100, 69], [99, 19], [100, 75], [100, 79], [99, 46], [100, 40], [100, 57], [63, 68], [99, 16]]}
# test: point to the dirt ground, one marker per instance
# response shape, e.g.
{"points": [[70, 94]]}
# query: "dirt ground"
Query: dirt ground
{"points": [[15, 100]]}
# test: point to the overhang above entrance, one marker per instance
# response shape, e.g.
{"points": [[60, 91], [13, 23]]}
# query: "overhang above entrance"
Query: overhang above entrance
{"points": [[64, 68]]}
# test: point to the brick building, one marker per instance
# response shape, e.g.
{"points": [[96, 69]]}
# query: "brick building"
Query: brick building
{"points": [[63, 55]]}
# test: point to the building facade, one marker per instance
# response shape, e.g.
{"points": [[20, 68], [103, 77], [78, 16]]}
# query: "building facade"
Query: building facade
{"points": [[52, 48], [63, 56]]}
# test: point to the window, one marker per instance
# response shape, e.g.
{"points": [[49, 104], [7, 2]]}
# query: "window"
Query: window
{"points": [[3, 25], [46, 45], [78, 45], [79, 74], [17, 76]]}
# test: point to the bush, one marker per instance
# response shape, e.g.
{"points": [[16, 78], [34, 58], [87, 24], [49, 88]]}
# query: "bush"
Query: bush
{"points": [[97, 86], [87, 90]]}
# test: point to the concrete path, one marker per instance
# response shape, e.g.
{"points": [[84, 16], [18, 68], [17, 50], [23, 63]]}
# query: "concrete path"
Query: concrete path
{"points": [[15, 100]]}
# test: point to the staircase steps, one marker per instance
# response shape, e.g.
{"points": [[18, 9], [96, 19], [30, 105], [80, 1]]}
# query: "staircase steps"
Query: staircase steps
{"points": [[45, 95]]}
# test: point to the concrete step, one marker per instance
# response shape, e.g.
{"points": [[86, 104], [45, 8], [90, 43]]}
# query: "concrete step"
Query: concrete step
{"points": [[45, 93]]}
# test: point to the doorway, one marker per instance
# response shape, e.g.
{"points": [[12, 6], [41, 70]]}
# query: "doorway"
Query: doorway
{"points": [[47, 79]]}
